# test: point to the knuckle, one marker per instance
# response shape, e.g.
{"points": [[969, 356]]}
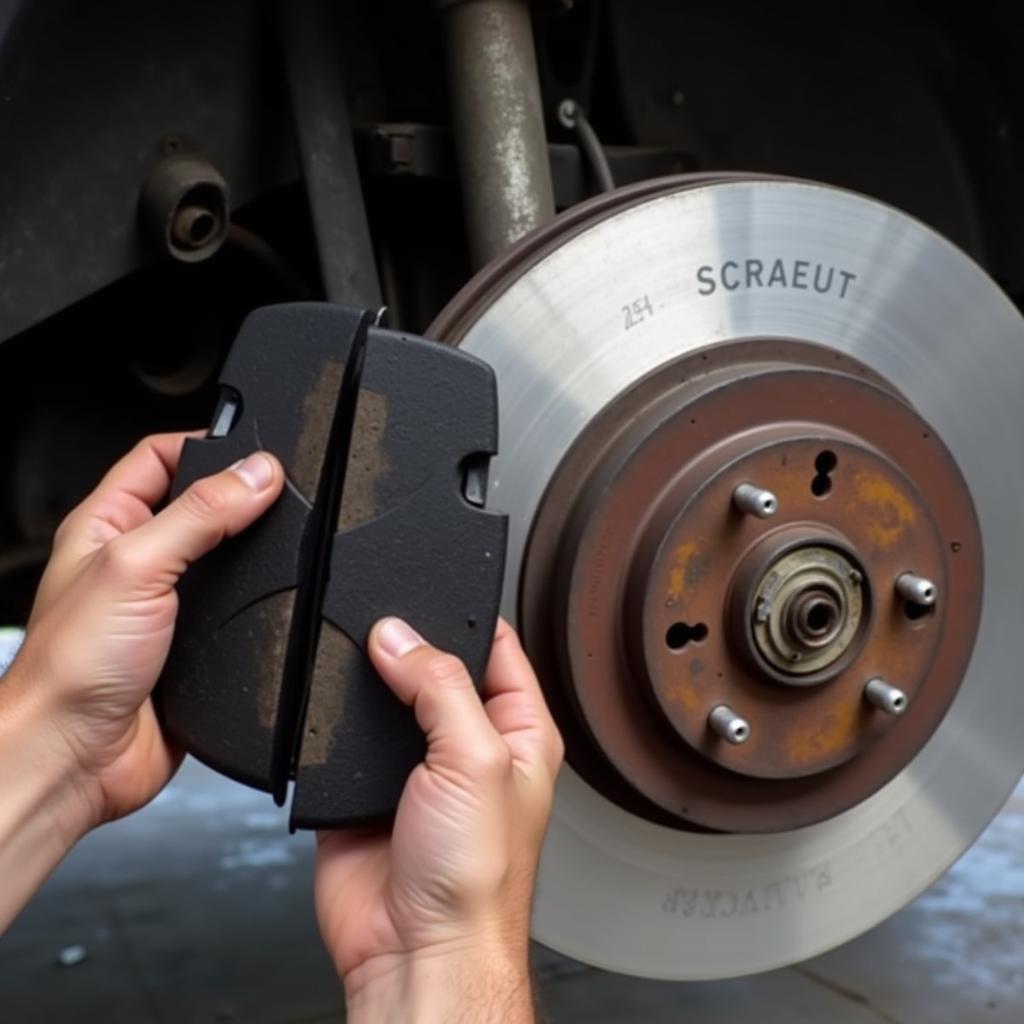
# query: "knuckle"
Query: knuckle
{"points": [[118, 558], [445, 670], [491, 759], [155, 442], [204, 499]]}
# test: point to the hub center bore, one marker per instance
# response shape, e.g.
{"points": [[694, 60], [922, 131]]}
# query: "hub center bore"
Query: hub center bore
{"points": [[808, 608], [813, 618]]}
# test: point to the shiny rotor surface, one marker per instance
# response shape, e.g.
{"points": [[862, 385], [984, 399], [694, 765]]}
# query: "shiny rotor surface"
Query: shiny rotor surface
{"points": [[629, 293]]}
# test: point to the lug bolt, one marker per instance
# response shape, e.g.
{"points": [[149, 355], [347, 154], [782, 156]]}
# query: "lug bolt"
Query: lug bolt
{"points": [[755, 501], [890, 699], [916, 589], [724, 722]]}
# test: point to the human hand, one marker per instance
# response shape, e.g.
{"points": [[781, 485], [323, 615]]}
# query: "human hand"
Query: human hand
{"points": [[438, 910], [104, 616]]}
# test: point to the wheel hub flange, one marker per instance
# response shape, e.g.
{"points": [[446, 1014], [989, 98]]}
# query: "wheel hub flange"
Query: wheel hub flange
{"points": [[670, 601]]}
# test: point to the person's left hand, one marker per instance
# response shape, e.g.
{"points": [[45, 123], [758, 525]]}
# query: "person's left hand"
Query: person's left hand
{"points": [[104, 615]]}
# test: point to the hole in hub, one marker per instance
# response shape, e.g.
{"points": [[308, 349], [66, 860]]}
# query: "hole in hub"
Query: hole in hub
{"points": [[679, 634], [814, 617], [824, 463], [820, 617]]}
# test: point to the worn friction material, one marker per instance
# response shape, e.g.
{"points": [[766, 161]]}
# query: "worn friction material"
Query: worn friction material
{"points": [[382, 437], [412, 546], [224, 684]]}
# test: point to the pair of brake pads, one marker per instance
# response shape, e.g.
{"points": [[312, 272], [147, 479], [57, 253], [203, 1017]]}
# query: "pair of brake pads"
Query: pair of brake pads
{"points": [[385, 439]]}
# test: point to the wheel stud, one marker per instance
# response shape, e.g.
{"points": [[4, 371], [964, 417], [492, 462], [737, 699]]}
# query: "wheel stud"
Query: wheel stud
{"points": [[724, 722], [888, 698], [755, 501], [916, 589]]}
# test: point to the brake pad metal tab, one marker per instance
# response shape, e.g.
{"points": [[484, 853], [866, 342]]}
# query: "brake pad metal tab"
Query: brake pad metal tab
{"points": [[385, 440]]}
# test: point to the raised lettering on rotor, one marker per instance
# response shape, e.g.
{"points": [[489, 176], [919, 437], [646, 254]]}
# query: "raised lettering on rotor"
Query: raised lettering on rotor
{"points": [[799, 275]]}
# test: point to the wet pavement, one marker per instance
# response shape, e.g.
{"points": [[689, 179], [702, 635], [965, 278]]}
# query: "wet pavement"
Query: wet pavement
{"points": [[198, 910]]}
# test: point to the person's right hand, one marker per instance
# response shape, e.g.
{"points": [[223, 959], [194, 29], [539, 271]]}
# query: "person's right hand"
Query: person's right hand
{"points": [[104, 614], [80, 743], [433, 919]]}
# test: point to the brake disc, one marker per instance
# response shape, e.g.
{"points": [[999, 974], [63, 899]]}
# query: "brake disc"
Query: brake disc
{"points": [[759, 450]]}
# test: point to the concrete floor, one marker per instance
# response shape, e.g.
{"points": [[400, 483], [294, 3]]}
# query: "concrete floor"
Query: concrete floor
{"points": [[198, 910]]}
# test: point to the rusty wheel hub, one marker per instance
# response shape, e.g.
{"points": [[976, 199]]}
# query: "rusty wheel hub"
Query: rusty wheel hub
{"points": [[757, 439], [672, 597]]}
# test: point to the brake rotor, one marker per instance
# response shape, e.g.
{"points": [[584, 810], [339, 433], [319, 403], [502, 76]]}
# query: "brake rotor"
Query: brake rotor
{"points": [[758, 448]]}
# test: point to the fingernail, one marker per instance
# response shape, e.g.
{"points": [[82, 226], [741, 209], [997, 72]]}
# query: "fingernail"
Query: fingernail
{"points": [[397, 638], [256, 471]]}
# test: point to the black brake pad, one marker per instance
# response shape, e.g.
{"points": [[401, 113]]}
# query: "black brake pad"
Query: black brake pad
{"points": [[385, 439]]}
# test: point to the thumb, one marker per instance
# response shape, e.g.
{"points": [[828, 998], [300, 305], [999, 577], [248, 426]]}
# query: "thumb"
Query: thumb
{"points": [[210, 510], [460, 736]]}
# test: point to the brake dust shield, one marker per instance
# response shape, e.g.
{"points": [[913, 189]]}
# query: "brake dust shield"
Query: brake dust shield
{"points": [[759, 448]]}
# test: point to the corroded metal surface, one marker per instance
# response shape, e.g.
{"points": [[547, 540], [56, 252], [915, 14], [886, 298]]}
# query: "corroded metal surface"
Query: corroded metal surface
{"points": [[583, 316], [656, 577], [498, 121]]}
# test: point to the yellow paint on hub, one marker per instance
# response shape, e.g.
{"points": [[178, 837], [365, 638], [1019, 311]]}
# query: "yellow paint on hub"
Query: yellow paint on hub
{"points": [[686, 695], [677, 580], [889, 511], [834, 732]]}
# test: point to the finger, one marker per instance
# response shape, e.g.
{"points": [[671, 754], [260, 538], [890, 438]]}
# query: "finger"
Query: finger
{"points": [[210, 510], [460, 736], [146, 471], [508, 669], [515, 702], [123, 498]]}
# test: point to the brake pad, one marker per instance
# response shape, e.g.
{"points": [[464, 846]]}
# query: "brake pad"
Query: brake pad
{"points": [[385, 439]]}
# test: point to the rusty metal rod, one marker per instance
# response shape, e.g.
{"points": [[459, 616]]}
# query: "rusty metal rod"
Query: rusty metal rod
{"points": [[498, 122]]}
